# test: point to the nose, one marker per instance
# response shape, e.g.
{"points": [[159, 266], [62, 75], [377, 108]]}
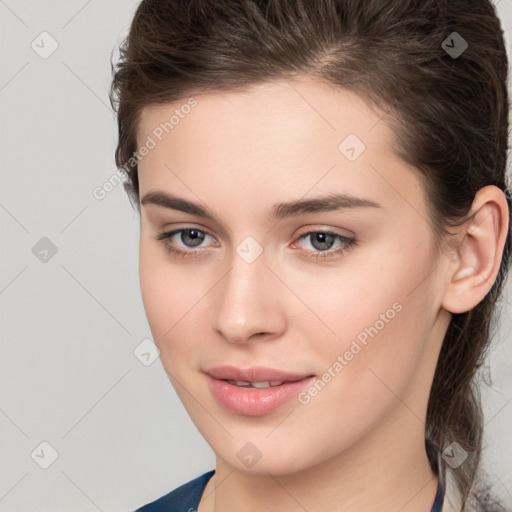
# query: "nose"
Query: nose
{"points": [[247, 303]]}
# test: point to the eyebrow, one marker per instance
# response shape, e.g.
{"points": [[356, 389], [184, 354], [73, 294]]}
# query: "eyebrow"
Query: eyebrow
{"points": [[328, 203]]}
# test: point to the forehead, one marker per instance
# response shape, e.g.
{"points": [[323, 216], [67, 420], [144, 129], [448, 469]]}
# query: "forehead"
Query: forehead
{"points": [[277, 138], [262, 125], [303, 103]]}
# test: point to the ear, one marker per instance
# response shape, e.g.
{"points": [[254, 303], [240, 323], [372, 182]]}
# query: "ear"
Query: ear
{"points": [[472, 274]]}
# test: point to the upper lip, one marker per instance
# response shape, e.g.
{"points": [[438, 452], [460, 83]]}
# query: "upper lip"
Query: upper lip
{"points": [[254, 374]]}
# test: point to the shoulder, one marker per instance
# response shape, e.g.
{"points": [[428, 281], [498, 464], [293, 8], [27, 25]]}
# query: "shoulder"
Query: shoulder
{"points": [[182, 499]]}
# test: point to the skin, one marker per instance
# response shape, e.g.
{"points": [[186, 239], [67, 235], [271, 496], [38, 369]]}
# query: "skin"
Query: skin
{"points": [[359, 443]]}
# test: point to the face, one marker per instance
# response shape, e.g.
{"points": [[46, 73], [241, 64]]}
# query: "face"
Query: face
{"points": [[341, 296]]}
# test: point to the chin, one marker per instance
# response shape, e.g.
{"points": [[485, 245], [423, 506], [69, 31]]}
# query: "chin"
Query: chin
{"points": [[263, 457]]}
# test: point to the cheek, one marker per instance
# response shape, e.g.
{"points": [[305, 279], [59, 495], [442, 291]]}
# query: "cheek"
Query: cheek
{"points": [[362, 299], [171, 300], [370, 364], [373, 317]]}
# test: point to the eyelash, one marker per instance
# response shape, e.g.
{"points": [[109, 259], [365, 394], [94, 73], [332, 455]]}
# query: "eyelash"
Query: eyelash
{"points": [[348, 242]]}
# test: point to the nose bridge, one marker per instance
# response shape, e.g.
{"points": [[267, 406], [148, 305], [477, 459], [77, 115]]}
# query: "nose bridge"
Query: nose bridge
{"points": [[246, 301]]}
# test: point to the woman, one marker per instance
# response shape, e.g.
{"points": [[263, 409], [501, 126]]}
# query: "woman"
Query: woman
{"points": [[325, 232]]}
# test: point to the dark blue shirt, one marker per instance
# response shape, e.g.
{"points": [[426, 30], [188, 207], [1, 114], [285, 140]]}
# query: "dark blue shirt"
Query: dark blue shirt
{"points": [[186, 497], [183, 499]]}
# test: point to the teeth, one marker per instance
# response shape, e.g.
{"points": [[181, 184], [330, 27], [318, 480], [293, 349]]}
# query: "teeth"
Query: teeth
{"points": [[262, 384]]}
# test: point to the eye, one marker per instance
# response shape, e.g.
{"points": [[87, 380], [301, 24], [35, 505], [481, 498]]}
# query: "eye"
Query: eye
{"points": [[322, 240], [189, 237]]}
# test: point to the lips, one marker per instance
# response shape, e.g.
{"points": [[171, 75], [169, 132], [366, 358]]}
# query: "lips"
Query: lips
{"points": [[254, 374], [254, 391]]}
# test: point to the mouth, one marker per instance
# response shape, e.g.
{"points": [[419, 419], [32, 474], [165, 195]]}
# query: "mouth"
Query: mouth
{"points": [[259, 385], [254, 391], [254, 375]]}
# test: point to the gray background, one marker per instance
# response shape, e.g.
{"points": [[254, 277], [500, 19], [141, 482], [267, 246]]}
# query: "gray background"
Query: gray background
{"points": [[70, 324]]}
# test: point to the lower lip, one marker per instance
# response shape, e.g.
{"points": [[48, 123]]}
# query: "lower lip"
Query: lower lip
{"points": [[255, 401]]}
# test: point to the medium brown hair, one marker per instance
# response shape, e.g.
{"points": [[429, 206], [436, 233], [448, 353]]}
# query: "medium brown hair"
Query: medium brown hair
{"points": [[449, 115]]}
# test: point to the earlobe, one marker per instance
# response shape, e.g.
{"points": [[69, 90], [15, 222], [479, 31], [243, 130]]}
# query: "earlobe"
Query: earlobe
{"points": [[480, 251]]}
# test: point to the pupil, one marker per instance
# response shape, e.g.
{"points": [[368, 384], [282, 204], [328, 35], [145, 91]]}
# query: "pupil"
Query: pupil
{"points": [[324, 238], [192, 234]]}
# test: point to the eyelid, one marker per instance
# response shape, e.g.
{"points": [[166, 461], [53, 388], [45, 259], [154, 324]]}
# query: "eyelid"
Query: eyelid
{"points": [[177, 228], [347, 233]]}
